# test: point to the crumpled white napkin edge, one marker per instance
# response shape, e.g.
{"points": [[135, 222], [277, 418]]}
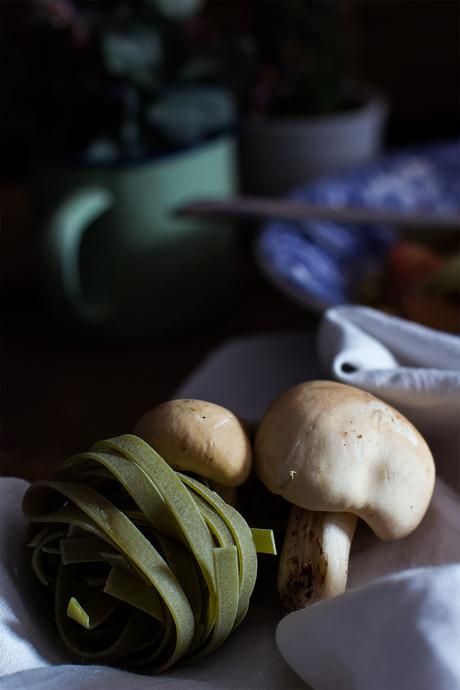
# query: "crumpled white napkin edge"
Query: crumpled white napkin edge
{"points": [[383, 612]]}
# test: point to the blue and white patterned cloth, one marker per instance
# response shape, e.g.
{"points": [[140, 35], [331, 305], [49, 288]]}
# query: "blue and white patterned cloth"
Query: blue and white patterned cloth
{"points": [[319, 263]]}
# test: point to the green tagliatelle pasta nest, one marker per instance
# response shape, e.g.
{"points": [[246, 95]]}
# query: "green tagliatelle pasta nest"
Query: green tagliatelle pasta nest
{"points": [[143, 565]]}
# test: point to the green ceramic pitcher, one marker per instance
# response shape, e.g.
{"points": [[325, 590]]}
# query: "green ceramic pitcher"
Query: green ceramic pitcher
{"points": [[117, 261]]}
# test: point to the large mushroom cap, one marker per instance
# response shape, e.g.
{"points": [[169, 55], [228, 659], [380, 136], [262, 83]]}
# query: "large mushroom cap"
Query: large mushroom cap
{"points": [[330, 447], [201, 437]]}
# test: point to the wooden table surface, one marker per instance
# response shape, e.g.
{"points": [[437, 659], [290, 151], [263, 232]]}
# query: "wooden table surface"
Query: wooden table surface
{"points": [[60, 393]]}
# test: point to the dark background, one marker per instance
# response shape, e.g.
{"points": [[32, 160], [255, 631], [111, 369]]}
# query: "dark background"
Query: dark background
{"points": [[60, 392]]}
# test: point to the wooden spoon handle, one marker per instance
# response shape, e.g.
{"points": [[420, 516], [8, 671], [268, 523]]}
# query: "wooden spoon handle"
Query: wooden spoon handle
{"points": [[261, 208]]}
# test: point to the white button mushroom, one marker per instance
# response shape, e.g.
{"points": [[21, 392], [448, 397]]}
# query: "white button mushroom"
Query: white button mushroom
{"points": [[338, 453], [200, 437]]}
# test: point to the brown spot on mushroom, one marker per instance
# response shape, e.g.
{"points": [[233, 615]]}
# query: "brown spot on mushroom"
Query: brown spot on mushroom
{"points": [[319, 547], [301, 582], [307, 572]]}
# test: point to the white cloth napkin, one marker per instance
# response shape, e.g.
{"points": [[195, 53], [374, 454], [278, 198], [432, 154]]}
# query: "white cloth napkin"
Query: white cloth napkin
{"points": [[397, 626], [399, 632]]}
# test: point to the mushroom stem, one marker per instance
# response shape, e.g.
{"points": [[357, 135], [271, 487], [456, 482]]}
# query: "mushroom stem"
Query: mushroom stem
{"points": [[314, 559]]}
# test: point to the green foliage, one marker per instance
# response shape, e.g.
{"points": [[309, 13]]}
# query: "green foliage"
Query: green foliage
{"points": [[303, 56]]}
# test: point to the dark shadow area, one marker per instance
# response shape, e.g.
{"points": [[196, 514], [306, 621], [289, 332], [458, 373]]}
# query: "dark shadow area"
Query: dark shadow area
{"points": [[95, 94]]}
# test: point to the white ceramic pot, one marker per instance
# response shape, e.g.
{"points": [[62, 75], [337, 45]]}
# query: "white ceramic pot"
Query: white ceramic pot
{"points": [[279, 154]]}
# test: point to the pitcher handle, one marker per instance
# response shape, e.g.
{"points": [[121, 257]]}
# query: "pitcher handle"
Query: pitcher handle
{"points": [[63, 235]]}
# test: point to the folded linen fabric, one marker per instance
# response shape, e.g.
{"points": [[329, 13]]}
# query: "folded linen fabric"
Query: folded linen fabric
{"points": [[398, 633]]}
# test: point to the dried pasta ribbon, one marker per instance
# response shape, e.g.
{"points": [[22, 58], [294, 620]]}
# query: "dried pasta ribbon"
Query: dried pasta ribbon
{"points": [[143, 565]]}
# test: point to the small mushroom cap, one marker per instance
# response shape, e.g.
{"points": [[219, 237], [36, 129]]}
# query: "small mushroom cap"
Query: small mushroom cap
{"points": [[200, 437], [327, 446]]}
